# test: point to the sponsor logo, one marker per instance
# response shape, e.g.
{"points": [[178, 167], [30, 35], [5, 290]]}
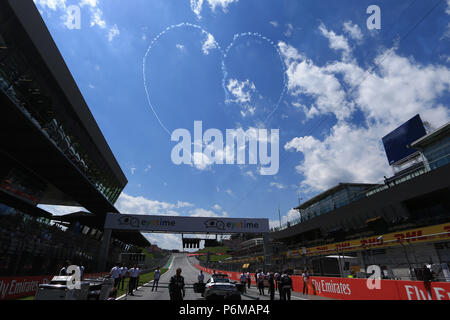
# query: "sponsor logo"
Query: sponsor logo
{"points": [[328, 286], [215, 224], [131, 221]]}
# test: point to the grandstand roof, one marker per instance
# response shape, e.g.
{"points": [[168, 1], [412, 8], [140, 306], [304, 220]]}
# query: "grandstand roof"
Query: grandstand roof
{"points": [[331, 191]]}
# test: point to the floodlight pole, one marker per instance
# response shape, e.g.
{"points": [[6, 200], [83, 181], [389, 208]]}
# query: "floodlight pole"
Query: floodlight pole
{"points": [[267, 260]]}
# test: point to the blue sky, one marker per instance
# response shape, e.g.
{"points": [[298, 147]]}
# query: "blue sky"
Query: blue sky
{"points": [[343, 87]]}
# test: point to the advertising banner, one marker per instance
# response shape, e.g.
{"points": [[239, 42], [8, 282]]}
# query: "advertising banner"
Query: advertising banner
{"points": [[419, 235], [361, 289], [19, 287], [148, 223]]}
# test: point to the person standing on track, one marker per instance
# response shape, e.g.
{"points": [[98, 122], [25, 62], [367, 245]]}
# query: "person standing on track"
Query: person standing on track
{"points": [[271, 286], [176, 286], [260, 281], [134, 272], [249, 279], [243, 279], [305, 277], [115, 274], [156, 278], [201, 277], [277, 281], [123, 275], [138, 273], [286, 286]]}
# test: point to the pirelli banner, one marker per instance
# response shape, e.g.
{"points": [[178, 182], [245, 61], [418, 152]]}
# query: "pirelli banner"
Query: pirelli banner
{"points": [[177, 224], [419, 235]]}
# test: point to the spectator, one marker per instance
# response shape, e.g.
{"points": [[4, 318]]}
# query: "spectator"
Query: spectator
{"points": [[249, 280]]}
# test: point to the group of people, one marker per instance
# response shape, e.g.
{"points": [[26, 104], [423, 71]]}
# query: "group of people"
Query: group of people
{"points": [[281, 282], [120, 272]]}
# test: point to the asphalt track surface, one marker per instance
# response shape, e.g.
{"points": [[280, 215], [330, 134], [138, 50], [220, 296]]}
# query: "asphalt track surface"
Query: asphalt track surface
{"points": [[190, 273]]}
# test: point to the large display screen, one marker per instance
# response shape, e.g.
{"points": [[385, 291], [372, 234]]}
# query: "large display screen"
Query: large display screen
{"points": [[396, 142]]}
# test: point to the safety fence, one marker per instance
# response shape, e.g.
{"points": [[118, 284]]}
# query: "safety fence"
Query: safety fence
{"points": [[360, 289]]}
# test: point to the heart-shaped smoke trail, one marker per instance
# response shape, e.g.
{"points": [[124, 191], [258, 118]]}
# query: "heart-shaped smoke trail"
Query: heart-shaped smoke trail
{"points": [[224, 54]]}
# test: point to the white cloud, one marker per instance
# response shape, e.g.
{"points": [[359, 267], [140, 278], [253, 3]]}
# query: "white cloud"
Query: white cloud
{"points": [[217, 207], [184, 204], [398, 89], [113, 32], [274, 23], [289, 216], [197, 5], [250, 174], [179, 47], [91, 3], [201, 161], [448, 7], [203, 213], [289, 30], [147, 168], [305, 78], [241, 90], [353, 30], [209, 44], [51, 4], [128, 204], [132, 170], [96, 18], [229, 192], [166, 241], [277, 185], [336, 42]]}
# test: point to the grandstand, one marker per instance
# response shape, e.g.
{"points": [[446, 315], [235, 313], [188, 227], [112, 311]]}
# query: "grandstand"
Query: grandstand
{"points": [[51, 152]]}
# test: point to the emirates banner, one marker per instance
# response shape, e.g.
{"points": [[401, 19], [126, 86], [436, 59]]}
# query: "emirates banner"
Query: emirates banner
{"points": [[360, 289]]}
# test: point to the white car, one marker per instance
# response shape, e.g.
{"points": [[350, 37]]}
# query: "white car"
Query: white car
{"points": [[220, 287]]}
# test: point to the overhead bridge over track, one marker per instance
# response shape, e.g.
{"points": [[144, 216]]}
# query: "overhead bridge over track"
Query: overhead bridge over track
{"points": [[184, 225]]}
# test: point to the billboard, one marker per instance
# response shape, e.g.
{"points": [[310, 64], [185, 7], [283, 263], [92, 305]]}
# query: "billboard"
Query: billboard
{"points": [[177, 224], [396, 142]]}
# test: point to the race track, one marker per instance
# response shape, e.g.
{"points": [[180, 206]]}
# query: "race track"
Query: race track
{"points": [[190, 273]]}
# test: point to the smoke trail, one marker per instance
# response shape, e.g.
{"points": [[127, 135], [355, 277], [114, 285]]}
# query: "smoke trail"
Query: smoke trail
{"points": [[224, 55]]}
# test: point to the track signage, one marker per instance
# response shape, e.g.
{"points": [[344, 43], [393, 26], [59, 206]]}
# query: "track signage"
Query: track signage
{"points": [[149, 223]]}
